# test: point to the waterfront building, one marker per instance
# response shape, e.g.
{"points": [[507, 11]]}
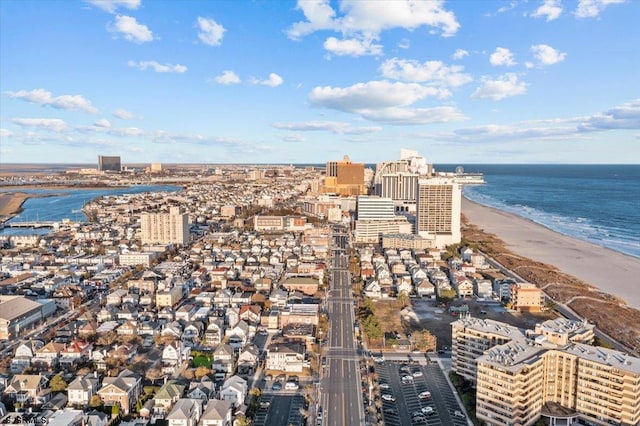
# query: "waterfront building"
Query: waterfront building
{"points": [[551, 371], [165, 228], [438, 210], [374, 208], [527, 297], [109, 163]]}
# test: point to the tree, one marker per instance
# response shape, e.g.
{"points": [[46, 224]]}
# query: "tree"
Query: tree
{"points": [[115, 411], [95, 401], [404, 300], [153, 374], [57, 384], [243, 421], [201, 372]]}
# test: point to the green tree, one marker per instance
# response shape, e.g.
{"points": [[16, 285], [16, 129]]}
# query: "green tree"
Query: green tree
{"points": [[115, 410], [57, 384]]}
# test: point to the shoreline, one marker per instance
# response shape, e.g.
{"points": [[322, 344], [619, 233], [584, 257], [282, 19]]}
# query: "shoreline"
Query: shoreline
{"points": [[609, 271]]}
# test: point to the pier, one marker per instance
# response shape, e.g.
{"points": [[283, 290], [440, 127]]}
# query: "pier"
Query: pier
{"points": [[31, 224]]}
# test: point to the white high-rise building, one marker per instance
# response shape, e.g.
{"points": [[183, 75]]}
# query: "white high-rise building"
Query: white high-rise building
{"points": [[165, 228], [438, 209], [374, 208]]}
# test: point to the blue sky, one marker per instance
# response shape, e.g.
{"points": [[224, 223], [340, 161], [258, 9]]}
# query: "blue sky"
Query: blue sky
{"points": [[275, 81]]}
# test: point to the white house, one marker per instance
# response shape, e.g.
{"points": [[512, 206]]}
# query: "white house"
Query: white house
{"points": [[217, 413], [234, 390], [185, 412], [81, 389]]}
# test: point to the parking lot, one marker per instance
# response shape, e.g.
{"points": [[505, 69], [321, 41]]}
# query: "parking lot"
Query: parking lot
{"points": [[408, 408], [281, 410]]}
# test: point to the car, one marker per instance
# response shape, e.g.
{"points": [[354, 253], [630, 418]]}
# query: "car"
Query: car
{"points": [[390, 411], [276, 386], [427, 410], [459, 414], [424, 395], [407, 379], [404, 369], [265, 404], [378, 360], [388, 397], [417, 413], [385, 386], [291, 386], [417, 373], [418, 419]]}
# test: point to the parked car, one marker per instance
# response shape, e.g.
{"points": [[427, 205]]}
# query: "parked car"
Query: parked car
{"points": [[459, 414], [424, 395], [417, 373], [388, 397], [276, 386], [427, 410], [407, 379], [265, 404]]}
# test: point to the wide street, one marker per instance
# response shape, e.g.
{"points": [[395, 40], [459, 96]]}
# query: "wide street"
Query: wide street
{"points": [[341, 389]]}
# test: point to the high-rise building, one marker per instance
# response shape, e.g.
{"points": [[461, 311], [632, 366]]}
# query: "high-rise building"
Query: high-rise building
{"points": [[165, 228], [344, 178], [438, 209], [551, 371], [109, 164], [374, 208]]}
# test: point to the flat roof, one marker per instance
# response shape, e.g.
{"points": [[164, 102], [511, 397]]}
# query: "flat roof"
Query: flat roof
{"points": [[16, 307]]}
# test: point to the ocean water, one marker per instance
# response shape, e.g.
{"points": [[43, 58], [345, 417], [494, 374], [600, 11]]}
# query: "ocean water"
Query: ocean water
{"points": [[66, 204], [595, 203]]}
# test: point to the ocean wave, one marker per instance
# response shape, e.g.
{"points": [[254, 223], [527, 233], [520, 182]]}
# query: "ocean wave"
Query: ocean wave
{"points": [[578, 227]]}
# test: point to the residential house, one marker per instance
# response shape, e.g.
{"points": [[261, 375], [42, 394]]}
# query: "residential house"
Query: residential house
{"points": [[186, 312], [287, 357], [74, 353], [217, 413], [128, 328], [173, 329], [250, 314], [24, 353], [404, 285], [234, 390], [81, 389], [424, 288], [248, 359], [48, 355], [214, 332], [121, 354], [166, 396], [192, 331], [185, 412], [115, 297], [306, 285], [124, 390], [238, 335], [204, 389], [223, 359], [26, 388], [96, 418], [372, 290], [173, 355]]}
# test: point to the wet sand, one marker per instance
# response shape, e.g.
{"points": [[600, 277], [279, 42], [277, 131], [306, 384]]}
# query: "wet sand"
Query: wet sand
{"points": [[11, 203], [610, 271]]}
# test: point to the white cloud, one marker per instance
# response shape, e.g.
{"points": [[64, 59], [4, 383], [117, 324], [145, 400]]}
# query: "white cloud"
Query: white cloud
{"points": [[126, 131], [131, 30], [593, 8], [502, 57], [50, 124], [623, 117], [103, 122], [547, 55], [385, 101], [550, 9], [274, 80], [44, 97], [404, 43], [459, 54], [123, 114], [427, 72], [211, 32], [364, 20], [111, 5], [352, 47], [500, 88], [5, 133], [293, 138], [158, 67], [337, 127], [227, 77]]}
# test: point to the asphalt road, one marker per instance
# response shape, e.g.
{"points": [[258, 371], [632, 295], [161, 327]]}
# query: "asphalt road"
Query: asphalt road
{"points": [[341, 392]]}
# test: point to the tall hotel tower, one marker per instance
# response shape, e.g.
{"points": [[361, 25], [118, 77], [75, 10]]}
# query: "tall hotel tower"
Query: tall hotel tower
{"points": [[165, 228], [438, 208]]}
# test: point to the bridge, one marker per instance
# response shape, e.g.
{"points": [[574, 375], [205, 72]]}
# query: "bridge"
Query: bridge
{"points": [[31, 224]]}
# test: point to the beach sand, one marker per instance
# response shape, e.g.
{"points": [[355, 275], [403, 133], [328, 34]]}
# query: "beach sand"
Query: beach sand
{"points": [[610, 271], [11, 203]]}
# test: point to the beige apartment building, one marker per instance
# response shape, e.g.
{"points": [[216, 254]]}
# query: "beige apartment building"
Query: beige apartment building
{"points": [[527, 297], [551, 371], [165, 228], [438, 210]]}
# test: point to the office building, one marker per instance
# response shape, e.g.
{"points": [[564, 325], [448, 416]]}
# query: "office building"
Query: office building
{"points": [[550, 372], [374, 208], [109, 164], [438, 209], [344, 178], [165, 228]]}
